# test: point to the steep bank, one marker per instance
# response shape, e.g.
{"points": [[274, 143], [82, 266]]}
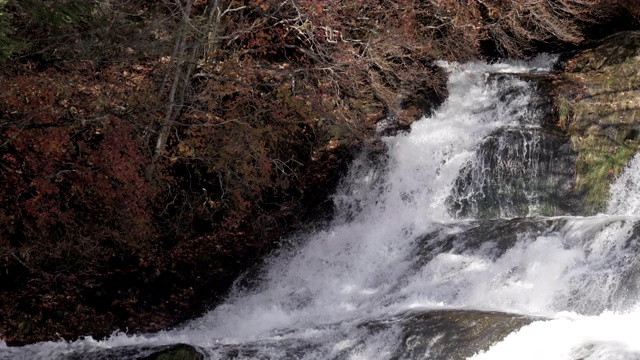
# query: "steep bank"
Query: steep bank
{"points": [[598, 102], [139, 182]]}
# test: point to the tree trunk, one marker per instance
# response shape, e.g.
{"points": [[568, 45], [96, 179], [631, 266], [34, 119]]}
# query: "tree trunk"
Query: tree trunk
{"points": [[170, 113]]}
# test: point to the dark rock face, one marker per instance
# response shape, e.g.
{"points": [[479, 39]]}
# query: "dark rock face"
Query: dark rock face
{"points": [[518, 172], [598, 103], [522, 170]]}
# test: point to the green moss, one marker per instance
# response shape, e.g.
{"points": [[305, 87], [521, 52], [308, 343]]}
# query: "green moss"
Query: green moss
{"points": [[597, 165], [598, 105], [564, 112]]}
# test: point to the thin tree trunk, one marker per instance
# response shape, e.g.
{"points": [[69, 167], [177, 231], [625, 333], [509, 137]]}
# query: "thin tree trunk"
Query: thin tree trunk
{"points": [[213, 26], [167, 121]]}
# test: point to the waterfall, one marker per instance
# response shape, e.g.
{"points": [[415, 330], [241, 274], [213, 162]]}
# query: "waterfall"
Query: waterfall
{"points": [[455, 244]]}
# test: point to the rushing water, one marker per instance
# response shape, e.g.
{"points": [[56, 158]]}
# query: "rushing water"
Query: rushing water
{"points": [[443, 248]]}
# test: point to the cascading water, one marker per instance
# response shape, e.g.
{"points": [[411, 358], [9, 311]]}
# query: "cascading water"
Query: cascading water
{"points": [[602, 316], [425, 259]]}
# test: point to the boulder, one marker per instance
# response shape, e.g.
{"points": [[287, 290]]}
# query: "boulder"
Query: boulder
{"points": [[176, 352], [451, 334]]}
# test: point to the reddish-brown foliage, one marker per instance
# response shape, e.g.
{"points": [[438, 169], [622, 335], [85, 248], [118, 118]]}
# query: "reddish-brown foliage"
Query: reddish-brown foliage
{"points": [[71, 170]]}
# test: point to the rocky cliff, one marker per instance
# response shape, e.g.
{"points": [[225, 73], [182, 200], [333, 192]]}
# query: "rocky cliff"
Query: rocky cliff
{"points": [[598, 102]]}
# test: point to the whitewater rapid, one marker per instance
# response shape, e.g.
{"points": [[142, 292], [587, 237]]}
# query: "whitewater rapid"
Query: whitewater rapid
{"points": [[609, 333]]}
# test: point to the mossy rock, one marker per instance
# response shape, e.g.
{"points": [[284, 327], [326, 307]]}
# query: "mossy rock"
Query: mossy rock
{"points": [[598, 103], [176, 352]]}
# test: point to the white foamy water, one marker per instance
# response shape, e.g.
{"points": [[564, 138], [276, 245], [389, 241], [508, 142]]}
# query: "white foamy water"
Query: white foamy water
{"points": [[624, 199], [607, 335], [353, 269], [393, 249]]}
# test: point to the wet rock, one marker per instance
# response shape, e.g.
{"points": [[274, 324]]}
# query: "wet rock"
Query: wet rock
{"points": [[495, 235], [524, 169], [598, 103], [176, 352], [518, 172], [451, 334]]}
